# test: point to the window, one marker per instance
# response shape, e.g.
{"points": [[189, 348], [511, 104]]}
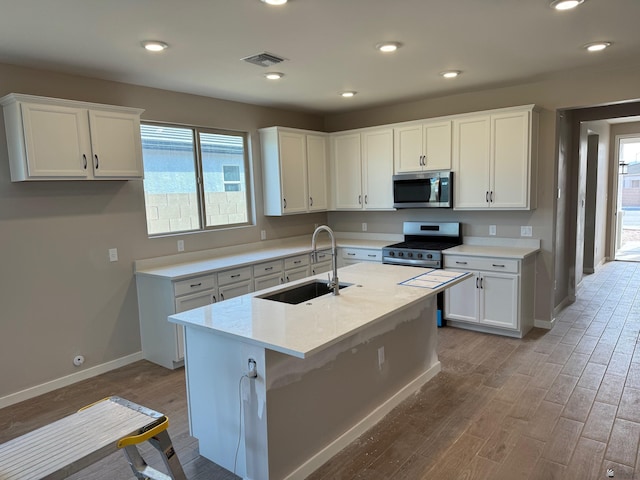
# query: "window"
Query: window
{"points": [[194, 178]]}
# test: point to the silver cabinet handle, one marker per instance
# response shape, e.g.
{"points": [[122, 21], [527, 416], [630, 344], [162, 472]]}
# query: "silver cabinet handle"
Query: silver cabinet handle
{"points": [[461, 263], [352, 254], [497, 265], [84, 161], [235, 275], [95, 155], [366, 199], [477, 281], [194, 285], [486, 197], [491, 196], [268, 268], [359, 199], [372, 255]]}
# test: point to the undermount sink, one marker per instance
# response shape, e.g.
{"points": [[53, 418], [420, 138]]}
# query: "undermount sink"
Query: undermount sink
{"points": [[301, 293]]}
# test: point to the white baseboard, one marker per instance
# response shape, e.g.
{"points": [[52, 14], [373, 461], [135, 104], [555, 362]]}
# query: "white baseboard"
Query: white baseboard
{"points": [[548, 324], [68, 380], [304, 470]]}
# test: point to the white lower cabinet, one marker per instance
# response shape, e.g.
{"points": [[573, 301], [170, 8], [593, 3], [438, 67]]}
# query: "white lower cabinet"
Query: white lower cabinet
{"points": [[322, 263], [235, 282], [497, 299], [267, 274], [296, 268]]}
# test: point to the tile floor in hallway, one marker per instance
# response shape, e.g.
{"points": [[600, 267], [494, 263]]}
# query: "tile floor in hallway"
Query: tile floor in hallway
{"points": [[559, 404]]}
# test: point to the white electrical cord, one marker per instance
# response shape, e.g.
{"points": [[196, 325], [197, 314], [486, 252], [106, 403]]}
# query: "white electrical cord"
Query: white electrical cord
{"points": [[235, 461]]}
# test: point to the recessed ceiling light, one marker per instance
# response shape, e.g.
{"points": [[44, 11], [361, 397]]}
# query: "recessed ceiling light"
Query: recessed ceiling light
{"points": [[597, 46], [274, 2], [451, 73], [388, 47], [348, 94], [154, 45], [565, 4], [274, 75]]}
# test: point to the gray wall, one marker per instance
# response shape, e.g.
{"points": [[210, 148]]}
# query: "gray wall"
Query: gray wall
{"points": [[60, 295]]}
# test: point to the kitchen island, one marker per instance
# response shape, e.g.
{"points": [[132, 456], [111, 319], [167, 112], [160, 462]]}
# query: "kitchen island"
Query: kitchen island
{"points": [[327, 369]]}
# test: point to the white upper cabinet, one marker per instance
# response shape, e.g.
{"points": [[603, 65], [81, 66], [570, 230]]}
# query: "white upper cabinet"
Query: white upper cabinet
{"points": [[362, 170], [53, 139], [294, 171], [495, 159], [422, 146]]}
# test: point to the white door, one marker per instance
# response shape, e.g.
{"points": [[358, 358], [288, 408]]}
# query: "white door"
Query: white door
{"points": [[461, 301], [471, 150], [347, 171], [437, 146], [408, 148], [499, 300], [293, 170], [377, 169], [57, 141], [510, 160], [116, 144], [317, 172]]}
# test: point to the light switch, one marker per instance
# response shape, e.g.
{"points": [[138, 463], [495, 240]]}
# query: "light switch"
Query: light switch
{"points": [[113, 254], [526, 231], [364, 226], [263, 234]]}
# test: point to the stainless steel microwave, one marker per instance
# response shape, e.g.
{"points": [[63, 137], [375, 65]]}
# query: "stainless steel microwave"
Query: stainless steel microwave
{"points": [[423, 190]]}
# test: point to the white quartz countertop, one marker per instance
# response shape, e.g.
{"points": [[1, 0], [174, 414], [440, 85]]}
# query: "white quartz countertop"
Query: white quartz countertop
{"points": [[518, 253], [180, 269], [309, 327]]}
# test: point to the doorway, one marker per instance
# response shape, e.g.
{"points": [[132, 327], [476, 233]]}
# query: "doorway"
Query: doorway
{"points": [[627, 242]]}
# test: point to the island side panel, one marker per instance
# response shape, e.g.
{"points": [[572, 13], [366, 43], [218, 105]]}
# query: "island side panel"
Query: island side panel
{"points": [[214, 366], [316, 406]]}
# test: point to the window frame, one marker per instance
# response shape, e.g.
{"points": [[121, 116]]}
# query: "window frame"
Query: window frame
{"points": [[199, 180]]}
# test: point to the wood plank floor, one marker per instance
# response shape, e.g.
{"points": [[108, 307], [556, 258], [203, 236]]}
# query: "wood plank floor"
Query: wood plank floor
{"points": [[559, 404]]}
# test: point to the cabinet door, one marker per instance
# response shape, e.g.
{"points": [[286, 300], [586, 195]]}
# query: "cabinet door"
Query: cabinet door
{"points": [[408, 148], [347, 171], [116, 144], [510, 160], [437, 146], [321, 267], [267, 281], [471, 151], [293, 170], [317, 172], [56, 141], [499, 296], [377, 169], [461, 301], [296, 273], [235, 290], [190, 302]]}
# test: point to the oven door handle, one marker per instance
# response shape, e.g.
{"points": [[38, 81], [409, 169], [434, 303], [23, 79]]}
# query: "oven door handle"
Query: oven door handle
{"points": [[416, 263]]}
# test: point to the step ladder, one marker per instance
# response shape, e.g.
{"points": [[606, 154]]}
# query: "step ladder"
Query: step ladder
{"points": [[66, 446]]}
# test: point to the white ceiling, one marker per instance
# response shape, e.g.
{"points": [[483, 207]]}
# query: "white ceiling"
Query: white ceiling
{"points": [[329, 45]]}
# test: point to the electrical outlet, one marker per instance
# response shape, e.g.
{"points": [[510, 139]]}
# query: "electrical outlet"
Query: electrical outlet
{"points": [[263, 234], [492, 229], [113, 254], [181, 245], [526, 231], [380, 357], [364, 226], [252, 368]]}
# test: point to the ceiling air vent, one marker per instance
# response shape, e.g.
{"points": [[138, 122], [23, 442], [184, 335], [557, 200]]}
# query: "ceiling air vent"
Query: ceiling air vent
{"points": [[264, 59]]}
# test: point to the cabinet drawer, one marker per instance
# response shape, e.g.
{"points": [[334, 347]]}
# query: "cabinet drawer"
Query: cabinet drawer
{"points": [[362, 254], [193, 285], [322, 256], [267, 268], [482, 263], [297, 261], [235, 275]]}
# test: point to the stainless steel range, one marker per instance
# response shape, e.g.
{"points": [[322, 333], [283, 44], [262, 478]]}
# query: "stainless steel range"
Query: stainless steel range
{"points": [[423, 244]]}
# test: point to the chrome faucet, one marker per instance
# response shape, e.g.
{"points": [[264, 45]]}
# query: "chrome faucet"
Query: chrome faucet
{"points": [[333, 282]]}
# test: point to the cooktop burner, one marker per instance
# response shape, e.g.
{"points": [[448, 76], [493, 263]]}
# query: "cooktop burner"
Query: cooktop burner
{"points": [[423, 244]]}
